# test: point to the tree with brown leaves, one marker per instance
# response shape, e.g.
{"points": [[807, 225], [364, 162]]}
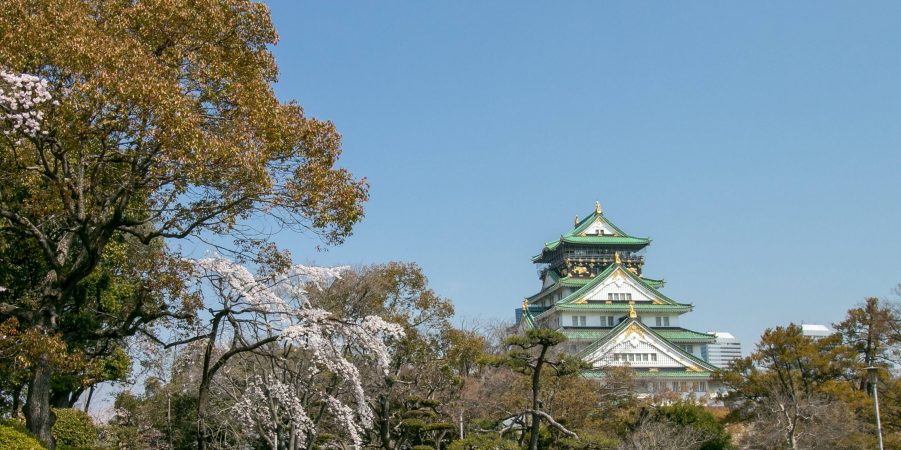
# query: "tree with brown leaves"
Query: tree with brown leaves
{"points": [[163, 125]]}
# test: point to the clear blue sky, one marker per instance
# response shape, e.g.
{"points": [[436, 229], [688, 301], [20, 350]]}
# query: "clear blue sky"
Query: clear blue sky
{"points": [[759, 145]]}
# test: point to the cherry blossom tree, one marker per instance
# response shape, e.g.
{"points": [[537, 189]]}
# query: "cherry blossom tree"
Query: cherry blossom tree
{"points": [[270, 317]]}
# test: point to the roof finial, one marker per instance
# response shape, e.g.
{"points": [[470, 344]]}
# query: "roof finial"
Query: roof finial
{"points": [[597, 207], [525, 305], [577, 219], [616, 258], [632, 313]]}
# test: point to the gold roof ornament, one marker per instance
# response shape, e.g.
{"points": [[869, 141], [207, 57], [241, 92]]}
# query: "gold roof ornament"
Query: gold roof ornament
{"points": [[632, 313], [616, 258], [577, 219], [525, 305], [597, 207]]}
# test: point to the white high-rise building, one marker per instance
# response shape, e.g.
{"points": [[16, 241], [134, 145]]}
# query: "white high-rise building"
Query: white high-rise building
{"points": [[815, 331], [724, 350]]}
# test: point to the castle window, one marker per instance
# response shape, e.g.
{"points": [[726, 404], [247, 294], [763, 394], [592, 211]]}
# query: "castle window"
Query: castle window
{"points": [[582, 321], [666, 321], [610, 321], [575, 321], [659, 321]]}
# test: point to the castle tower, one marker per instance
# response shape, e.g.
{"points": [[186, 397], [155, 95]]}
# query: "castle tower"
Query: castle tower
{"points": [[593, 291]]}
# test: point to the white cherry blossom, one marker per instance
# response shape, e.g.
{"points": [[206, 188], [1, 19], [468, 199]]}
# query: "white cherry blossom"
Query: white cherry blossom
{"points": [[21, 96]]}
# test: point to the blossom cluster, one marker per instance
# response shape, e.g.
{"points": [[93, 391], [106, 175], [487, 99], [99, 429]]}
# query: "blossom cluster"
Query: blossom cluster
{"points": [[270, 398], [20, 96], [327, 341]]}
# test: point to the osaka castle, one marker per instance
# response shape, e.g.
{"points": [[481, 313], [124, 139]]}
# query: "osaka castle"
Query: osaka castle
{"points": [[593, 291]]}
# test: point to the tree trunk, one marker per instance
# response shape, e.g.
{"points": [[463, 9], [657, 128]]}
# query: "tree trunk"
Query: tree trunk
{"points": [[39, 418], [87, 403], [384, 421], [536, 420], [73, 398], [202, 400], [17, 402]]}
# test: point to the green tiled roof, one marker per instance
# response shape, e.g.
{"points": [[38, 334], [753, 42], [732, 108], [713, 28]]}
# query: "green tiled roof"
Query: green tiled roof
{"points": [[575, 296], [603, 339], [528, 319], [610, 240], [679, 335], [574, 281], [621, 307], [683, 335], [656, 284], [588, 220], [623, 241], [619, 238], [624, 324], [660, 374], [578, 282], [582, 281]]}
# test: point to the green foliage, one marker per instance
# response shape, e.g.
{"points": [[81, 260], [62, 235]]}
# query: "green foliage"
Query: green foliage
{"points": [[483, 442], [795, 391], [74, 428], [530, 355], [687, 414], [163, 414], [15, 438], [120, 437]]}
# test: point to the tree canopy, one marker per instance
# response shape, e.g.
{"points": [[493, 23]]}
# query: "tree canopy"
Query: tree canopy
{"points": [[136, 122]]}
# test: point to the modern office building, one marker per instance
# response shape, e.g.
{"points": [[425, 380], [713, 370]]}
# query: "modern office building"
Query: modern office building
{"points": [[724, 350], [815, 331]]}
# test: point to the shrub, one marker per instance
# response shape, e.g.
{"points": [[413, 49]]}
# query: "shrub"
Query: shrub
{"points": [[74, 428], [686, 414], [11, 438], [588, 441], [119, 436], [483, 442]]}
